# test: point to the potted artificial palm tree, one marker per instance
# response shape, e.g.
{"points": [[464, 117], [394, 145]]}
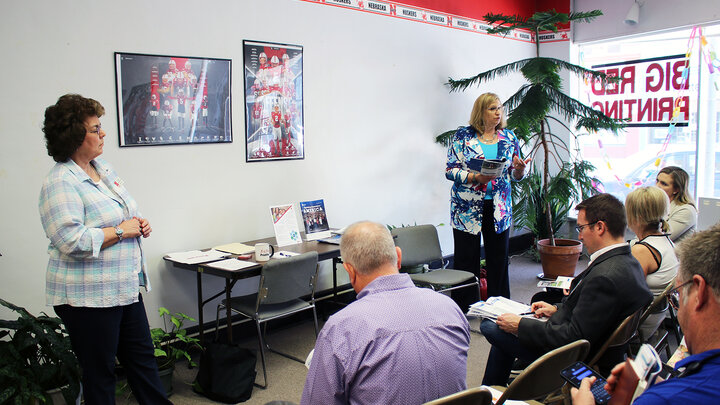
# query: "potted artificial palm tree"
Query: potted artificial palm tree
{"points": [[542, 200]]}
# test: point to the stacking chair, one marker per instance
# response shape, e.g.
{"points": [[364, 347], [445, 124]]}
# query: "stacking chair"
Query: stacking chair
{"points": [[471, 396], [620, 337], [420, 246], [283, 284], [542, 377], [659, 304]]}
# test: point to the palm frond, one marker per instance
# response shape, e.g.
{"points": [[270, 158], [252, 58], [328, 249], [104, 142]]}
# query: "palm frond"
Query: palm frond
{"points": [[446, 137], [584, 16], [462, 84]]}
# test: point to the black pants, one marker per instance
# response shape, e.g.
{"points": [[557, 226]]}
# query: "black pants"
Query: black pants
{"points": [[467, 257], [98, 335]]}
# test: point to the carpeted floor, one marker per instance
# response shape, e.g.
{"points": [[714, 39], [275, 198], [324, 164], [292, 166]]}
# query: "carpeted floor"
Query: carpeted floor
{"points": [[287, 377]]}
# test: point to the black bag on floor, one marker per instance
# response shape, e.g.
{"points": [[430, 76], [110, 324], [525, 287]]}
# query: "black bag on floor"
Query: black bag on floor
{"points": [[226, 374]]}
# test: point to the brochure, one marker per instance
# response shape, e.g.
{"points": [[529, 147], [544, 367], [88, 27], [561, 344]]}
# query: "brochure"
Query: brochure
{"points": [[495, 306], [315, 219], [560, 282], [487, 167], [285, 225]]}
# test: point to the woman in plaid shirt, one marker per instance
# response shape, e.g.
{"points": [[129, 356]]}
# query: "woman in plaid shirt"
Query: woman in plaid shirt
{"points": [[96, 265]]}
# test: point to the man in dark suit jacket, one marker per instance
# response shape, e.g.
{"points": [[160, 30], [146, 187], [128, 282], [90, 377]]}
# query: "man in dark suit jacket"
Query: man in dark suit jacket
{"points": [[611, 288]]}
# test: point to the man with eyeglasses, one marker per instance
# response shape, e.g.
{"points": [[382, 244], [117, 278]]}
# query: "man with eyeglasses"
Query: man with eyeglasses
{"points": [[611, 288], [697, 300]]}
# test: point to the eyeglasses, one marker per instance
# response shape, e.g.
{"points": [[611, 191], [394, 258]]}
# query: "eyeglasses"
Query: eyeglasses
{"points": [[579, 228], [674, 294]]}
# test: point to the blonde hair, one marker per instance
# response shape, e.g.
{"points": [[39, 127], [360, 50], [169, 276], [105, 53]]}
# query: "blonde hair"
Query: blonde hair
{"points": [[648, 207], [681, 182], [478, 112]]}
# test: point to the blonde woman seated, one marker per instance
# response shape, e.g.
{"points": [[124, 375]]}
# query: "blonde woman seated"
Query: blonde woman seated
{"points": [[646, 208], [682, 218]]}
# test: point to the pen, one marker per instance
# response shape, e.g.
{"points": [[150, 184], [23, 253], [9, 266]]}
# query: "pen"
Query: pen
{"points": [[527, 313]]}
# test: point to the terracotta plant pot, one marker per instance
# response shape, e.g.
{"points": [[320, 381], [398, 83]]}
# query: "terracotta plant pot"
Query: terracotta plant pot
{"points": [[561, 259]]}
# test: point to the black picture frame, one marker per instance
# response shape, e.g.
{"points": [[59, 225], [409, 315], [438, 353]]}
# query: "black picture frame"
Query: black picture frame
{"points": [[171, 100], [273, 92]]}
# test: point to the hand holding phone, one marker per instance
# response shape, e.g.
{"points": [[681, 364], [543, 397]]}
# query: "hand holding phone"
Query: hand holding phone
{"points": [[578, 371]]}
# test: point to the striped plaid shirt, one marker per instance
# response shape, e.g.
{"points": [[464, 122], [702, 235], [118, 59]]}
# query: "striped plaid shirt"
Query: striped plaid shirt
{"points": [[73, 211]]}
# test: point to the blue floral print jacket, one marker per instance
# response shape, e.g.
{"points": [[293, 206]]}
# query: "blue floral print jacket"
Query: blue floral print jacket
{"points": [[466, 200]]}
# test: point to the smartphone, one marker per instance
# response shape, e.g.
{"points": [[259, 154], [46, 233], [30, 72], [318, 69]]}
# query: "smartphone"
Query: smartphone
{"points": [[575, 374]]}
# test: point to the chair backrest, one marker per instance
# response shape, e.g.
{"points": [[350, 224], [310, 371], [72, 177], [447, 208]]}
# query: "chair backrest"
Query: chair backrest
{"points": [[283, 280], [620, 336], [419, 244], [659, 303], [542, 377], [471, 396]]}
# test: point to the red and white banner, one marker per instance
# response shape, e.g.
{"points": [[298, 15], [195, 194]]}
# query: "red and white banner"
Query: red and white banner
{"points": [[439, 18]]}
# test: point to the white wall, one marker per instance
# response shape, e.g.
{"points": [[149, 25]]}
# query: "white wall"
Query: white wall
{"points": [[655, 15], [374, 100]]}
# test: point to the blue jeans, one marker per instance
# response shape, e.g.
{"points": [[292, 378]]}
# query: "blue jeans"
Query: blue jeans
{"points": [[505, 349]]}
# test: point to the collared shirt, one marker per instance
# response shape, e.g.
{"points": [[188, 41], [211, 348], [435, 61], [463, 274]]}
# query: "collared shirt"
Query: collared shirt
{"points": [[73, 211], [700, 387], [603, 250], [466, 199], [396, 344]]}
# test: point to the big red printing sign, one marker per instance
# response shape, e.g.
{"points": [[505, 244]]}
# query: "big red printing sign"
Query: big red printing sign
{"points": [[652, 91]]}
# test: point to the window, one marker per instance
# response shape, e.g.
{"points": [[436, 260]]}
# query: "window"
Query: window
{"points": [[655, 95]]}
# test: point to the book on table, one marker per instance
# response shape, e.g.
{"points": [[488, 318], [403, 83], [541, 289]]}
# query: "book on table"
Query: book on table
{"points": [[315, 219]]}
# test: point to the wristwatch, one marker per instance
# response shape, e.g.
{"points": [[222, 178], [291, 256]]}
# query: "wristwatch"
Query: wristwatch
{"points": [[119, 233]]}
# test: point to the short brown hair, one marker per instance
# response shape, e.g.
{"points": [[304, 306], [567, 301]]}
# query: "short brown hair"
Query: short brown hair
{"points": [[64, 125], [478, 111], [607, 208]]}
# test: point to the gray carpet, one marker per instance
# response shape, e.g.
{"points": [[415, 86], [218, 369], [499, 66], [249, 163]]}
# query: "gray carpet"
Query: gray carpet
{"points": [[287, 377]]}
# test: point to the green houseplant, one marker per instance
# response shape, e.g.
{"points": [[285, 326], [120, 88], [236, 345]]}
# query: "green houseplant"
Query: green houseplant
{"points": [[36, 357], [542, 200], [172, 343]]}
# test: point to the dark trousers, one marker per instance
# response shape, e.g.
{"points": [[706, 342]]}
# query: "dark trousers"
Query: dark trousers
{"points": [[98, 335], [505, 349], [467, 257]]}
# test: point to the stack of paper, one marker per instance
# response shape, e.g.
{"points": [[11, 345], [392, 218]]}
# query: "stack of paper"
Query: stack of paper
{"points": [[196, 256], [236, 248], [495, 306], [231, 264]]}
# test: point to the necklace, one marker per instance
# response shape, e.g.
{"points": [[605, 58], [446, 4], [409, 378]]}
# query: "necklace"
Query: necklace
{"points": [[488, 141]]}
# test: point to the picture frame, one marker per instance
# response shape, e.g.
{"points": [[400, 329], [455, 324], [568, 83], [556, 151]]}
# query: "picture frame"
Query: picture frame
{"points": [[172, 100], [273, 90]]}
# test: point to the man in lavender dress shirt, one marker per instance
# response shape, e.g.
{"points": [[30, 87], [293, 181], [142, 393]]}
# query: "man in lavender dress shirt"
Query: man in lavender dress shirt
{"points": [[396, 344]]}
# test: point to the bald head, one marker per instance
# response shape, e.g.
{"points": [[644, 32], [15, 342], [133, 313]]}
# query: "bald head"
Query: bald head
{"points": [[368, 247]]}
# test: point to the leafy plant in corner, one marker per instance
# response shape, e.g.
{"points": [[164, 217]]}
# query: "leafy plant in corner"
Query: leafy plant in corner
{"points": [[542, 199], [173, 343], [36, 357]]}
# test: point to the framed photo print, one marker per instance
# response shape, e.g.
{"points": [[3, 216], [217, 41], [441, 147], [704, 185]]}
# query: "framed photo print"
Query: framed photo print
{"points": [[274, 127], [165, 100]]}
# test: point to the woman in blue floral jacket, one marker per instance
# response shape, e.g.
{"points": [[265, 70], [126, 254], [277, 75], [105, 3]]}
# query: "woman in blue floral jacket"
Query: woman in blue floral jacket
{"points": [[482, 205]]}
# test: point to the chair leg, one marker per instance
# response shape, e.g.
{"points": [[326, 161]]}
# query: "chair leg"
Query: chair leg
{"points": [[316, 321], [262, 355], [217, 321]]}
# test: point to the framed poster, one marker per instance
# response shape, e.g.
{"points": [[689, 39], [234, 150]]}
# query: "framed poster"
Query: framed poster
{"points": [[166, 100], [274, 127]]}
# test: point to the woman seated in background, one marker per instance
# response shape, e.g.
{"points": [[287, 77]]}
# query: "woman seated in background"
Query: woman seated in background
{"points": [[646, 208], [682, 219]]}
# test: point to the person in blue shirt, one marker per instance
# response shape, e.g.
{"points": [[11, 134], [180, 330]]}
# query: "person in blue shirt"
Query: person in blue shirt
{"points": [[96, 266], [697, 300]]}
